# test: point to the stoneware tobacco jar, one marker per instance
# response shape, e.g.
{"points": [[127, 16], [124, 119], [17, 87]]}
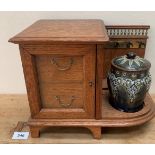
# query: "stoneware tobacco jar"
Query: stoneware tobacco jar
{"points": [[128, 81]]}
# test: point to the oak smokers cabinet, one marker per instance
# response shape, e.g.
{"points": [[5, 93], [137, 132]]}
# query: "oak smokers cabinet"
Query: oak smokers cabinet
{"points": [[64, 64]]}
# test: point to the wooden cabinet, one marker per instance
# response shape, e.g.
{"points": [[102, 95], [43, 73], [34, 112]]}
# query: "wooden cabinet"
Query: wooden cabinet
{"points": [[64, 63]]}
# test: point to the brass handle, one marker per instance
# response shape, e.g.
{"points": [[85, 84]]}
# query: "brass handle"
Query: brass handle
{"points": [[116, 44], [129, 44], [65, 104], [141, 44], [62, 68]]}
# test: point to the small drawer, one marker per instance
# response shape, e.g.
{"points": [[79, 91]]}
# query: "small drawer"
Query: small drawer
{"points": [[61, 95], [59, 68]]}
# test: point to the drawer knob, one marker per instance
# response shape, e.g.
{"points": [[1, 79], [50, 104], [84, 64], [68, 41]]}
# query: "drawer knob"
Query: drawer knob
{"points": [[65, 104], [62, 68]]}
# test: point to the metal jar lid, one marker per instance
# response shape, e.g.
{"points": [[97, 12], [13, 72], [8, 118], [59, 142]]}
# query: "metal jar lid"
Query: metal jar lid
{"points": [[131, 62]]}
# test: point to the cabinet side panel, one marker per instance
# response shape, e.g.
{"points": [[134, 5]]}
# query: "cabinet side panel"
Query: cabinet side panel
{"points": [[31, 81]]}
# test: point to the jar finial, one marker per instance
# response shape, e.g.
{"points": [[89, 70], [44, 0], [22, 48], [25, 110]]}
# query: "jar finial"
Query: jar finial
{"points": [[131, 55]]}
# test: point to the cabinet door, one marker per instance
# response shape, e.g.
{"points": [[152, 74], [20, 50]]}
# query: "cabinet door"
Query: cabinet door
{"points": [[64, 76]]}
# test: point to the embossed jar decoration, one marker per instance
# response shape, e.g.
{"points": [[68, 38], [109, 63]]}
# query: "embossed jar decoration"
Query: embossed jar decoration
{"points": [[128, 81]]}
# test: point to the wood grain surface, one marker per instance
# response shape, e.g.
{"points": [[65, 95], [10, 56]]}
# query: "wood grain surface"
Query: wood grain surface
{"points": [[47, 39], [110, 117], [47, 81], [17, 108], [30, 74], [91, 30], [49, 72]]}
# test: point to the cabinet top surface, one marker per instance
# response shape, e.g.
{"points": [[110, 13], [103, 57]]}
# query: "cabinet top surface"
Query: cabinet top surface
{"points": [[89, 30]]}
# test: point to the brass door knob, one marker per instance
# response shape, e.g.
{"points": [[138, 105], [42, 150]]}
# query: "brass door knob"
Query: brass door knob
{"points": [[91, 83]]}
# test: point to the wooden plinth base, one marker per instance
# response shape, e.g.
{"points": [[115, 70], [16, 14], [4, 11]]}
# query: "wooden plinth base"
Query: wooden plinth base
{"points": [[110, 118], [96, 131]]}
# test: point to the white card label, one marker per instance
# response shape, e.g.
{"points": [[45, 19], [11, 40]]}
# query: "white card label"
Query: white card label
{"points": [[20, 135]]}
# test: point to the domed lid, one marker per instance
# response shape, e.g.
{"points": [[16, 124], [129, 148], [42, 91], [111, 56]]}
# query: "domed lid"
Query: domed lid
{"points": [[131, 62]]}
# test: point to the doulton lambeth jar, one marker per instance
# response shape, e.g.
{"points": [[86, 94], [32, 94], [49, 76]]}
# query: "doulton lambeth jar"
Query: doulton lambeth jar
{"points": [[128, 81]]}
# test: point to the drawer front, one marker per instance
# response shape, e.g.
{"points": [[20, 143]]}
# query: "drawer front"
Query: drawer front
{"points": [[60, 68], [61, 95], [65, 76]]}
